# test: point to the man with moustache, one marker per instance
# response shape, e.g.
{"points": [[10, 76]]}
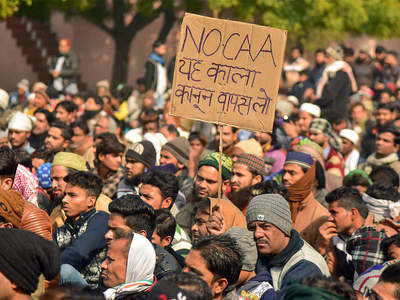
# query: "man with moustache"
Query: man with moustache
{"points": [[138, 158], [282, 254]]}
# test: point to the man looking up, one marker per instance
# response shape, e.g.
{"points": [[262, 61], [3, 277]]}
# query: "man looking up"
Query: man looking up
{"points": [[81, 240], [176, 152], [138, 158], [59, 137], [307, 213], [19, 131]]}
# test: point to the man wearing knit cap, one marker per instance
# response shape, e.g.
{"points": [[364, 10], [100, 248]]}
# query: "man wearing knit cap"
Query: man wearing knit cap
{"points": [[281, 250], [19, 131], [206, 186], [307, 214], [351, 156], [250, 146], [248, 170], [138, 159], [176, 152], [24, 257], [322, 134]]}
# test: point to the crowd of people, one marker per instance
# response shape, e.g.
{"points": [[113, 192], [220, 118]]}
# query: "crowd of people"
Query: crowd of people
{"points": [[104, 195]]}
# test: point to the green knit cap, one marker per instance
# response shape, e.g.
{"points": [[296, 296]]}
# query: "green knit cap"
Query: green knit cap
{"points": [[212, 160]]}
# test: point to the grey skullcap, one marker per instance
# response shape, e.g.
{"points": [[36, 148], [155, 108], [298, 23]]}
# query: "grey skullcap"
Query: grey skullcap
{"points": [[247, 246], [270, 208]]}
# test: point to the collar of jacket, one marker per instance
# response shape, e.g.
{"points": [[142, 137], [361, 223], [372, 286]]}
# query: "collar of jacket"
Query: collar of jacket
{"points": [[83, 217]]}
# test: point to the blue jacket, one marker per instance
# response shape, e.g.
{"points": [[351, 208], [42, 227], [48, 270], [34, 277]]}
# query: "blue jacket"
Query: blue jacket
{"points": [[83, 245]]}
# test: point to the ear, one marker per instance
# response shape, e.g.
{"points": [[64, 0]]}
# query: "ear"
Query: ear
{"points": [[66, 144], [225, 184], [256, 179], [354, 212], [28, 134], [101, 157], [218, 286], [180, 166], [6, 183], [91, 201], [166, 203], [165, 242]]}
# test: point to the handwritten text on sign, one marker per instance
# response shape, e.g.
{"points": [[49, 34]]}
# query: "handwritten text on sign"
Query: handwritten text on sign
{"points": [[227, 72]]}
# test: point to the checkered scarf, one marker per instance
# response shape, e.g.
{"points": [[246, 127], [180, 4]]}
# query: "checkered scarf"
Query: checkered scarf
{"points": [[110, 187], [366, 248]]}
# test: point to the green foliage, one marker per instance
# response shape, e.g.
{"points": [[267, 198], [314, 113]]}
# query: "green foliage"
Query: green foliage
{"points": [[9, 7], [314, 23]]}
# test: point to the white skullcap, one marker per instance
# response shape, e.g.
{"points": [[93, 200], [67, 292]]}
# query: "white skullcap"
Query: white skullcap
{"points": [[4, 97], [20, 121], [292, 99], [349, 134], [312, 109], [284, 107]]}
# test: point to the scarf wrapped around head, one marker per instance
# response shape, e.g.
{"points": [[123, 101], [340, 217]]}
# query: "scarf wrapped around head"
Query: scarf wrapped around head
{"points": [[139, 268], [302, 188], [26, 183]]}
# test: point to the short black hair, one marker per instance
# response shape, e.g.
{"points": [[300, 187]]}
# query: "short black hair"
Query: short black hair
{"points": [[82, 125], [391, 274], [87, 181], [355, 180], [197, 135], [171, 128], [66, 131], [336, 286], [69, 106], [98, 100], [222, 256], [49, 116], [41, 153], [320, 50], [137, 214], [109, 145], [387, 242], [348, 198], [380, 49], [8, 162], [23, 158], [298, 47], [270, 187], [191, 283], [167, 183], [391, 129], [388, 106], [385, 173], [158, 43], [165, 223], [383, 190]]}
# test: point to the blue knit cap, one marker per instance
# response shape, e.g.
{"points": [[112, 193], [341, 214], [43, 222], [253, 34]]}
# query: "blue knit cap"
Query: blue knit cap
{"points": [[43, 174], [299, 158]]}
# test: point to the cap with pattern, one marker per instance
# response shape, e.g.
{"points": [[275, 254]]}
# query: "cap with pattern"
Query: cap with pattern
{"points": [[254, 163], [212, 160], [70, 160]]}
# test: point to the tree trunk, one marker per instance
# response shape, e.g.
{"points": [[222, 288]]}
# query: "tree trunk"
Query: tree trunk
{"points": [[121, 60]]}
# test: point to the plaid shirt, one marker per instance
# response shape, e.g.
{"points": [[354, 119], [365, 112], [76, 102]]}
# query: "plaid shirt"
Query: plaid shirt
{"points": [[365, 247], [110, 187]]}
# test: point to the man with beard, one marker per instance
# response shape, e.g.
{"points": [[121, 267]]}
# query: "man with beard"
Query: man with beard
{"points": [[206, 186], [307, 213], [139, 157], [82, 143], [229, 139], [248, 170], [43, 119], [59, 137]]}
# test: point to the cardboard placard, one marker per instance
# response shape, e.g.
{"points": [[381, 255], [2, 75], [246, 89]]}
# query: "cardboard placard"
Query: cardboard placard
{"points": [[227, 72]]}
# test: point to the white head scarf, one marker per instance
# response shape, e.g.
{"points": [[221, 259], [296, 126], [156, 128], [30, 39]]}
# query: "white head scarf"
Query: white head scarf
{"points": [[20, 121], [139, 268]]}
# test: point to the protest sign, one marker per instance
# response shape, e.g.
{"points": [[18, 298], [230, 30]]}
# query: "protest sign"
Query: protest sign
{"points": [[227, 72]]}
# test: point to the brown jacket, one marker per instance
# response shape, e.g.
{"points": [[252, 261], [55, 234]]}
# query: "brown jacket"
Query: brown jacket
{"points": [[310, 217]]}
